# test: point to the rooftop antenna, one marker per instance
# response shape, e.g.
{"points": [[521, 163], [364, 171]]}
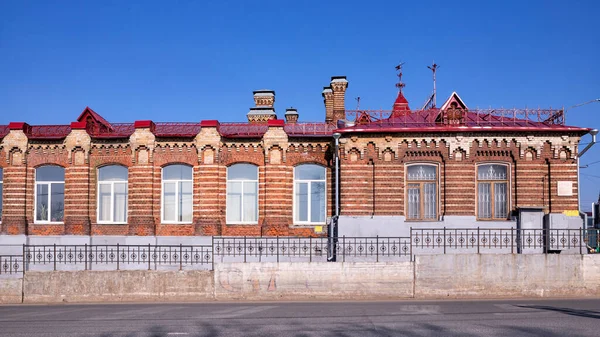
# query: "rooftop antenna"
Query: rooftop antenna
{"points": [[400, 84], [433, 69], [357, 103]]}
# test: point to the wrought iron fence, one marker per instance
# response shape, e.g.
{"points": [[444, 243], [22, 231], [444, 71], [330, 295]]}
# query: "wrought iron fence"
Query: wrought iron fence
{"points": [[11, 264], [288, 248], [503, 240], [118, 256]]}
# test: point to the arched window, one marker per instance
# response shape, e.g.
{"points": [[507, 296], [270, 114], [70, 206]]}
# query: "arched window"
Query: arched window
{"points": [[177, 194], [242, 194], [112, 194], [49, 194], [1, 185], [421, 192], [309, 194], [492, 192]]}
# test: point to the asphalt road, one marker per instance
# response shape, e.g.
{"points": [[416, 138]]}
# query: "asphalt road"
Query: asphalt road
{"points": [[406, 318]]}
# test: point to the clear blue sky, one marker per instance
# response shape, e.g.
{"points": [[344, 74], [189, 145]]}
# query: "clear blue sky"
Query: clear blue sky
{"points": [[194, 60]]}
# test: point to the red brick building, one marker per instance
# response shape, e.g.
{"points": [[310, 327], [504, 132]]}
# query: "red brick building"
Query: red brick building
{"points": [[398, 169]]}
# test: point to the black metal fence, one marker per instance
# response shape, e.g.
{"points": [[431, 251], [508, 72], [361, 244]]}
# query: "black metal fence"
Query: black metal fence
{"points": [[89, 257], [293, 249], [311, 249], [504, 240]]}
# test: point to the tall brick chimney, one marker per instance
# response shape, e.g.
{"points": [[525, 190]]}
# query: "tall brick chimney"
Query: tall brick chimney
{"points": [[328, 100], [263, 110], [339, 84], [291, 116]]}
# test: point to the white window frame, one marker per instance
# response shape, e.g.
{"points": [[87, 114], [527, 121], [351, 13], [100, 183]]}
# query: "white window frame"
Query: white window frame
{"points": [[508, 190], [162, 195], [1, 192], [49, 183], [437, 191], [242, 181], [112, 197], [308, 181]]}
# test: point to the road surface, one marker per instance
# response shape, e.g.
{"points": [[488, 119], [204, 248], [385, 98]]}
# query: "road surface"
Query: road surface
{"points": [[302, 319]]}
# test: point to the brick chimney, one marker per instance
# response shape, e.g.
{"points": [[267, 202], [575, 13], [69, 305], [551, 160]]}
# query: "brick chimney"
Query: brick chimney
{"points": [[263, 110], [339, 84], [328, 100], [291, 116]]}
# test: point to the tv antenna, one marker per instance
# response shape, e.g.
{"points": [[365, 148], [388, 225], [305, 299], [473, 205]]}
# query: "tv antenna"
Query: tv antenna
{"points": [[434, 67]]}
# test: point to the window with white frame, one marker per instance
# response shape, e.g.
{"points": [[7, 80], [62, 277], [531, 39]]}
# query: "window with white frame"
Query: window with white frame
{"points": [[309, 194], [177, 194], [49, 194], [112, 194], [492, 191], [421, 192], [1, 189], [242, 194]]}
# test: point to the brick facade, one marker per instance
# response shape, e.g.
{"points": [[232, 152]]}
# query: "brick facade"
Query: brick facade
{"points": [[373, 168]]}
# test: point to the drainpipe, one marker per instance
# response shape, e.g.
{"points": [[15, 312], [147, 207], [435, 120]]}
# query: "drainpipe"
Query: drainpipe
{"points": [[593, 132], [334, 220]]}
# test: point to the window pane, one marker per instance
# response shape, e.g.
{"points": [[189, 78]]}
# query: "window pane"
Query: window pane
{"points": [[234, 201], [500, 209], [50, 173], [421, 172], [430, 202], [250, 201], [492, 172], [242, 172], [310, 172], [484, 204], [302, 201], [185, 201], [57, 197], [104, 202], [169, 202], [414, 201], [120, 205], [317, 202], [41, 206], [177, 172], [112, 173]]}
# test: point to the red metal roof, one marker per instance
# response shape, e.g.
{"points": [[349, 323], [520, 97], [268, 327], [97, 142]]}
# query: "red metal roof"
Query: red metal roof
{"points": [[472, 120], [309, 129], [242, 130], [48, 131], [176, 129], [117, 130], [4, 131]]}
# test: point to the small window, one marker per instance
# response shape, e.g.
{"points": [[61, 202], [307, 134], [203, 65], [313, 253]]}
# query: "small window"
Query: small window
{"points": [[421, 192], [1, 189], [49, 194], [112, 194], [177, 194], [492, 192], [309, 194], [242, 194]]}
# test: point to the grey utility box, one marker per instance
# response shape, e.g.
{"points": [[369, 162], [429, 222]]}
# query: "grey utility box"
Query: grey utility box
{"points": [[564, 234], [530, 230]]}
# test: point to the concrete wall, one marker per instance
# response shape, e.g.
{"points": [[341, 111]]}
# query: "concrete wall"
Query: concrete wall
{"points": [[116, 286], [11, 290], [297, 280], [441, 276]]}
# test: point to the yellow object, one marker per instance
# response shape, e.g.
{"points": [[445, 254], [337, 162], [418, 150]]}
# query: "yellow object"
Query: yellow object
{"points": [[318, 229], [571, 213]]}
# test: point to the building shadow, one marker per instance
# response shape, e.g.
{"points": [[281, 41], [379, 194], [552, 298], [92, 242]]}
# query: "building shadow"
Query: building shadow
{"points": [[567, 311]]}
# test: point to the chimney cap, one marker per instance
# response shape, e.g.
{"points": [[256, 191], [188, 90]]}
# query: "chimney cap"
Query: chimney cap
{"points": [[264, 92], [327, 89], [338, 79], [291, 111], [260, 110]]}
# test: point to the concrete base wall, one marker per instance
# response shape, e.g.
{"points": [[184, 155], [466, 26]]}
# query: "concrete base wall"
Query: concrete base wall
{"points": [[116, 286], [297, 280], [477, 276], [11, 290], [440, 276]]}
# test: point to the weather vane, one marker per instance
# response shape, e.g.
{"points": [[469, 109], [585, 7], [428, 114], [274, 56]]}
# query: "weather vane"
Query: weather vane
{"points": [[400, 84]]}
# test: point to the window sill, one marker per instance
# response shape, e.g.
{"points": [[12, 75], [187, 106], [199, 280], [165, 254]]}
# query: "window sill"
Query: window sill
{"points": [[424, 220], [309, 224], [48, 223], [111, 223], [177, 223], [242, 223]]}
